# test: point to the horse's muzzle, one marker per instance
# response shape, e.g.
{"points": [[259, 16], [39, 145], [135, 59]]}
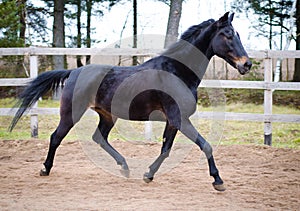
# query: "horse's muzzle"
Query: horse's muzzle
{"points": [[244, 67]]}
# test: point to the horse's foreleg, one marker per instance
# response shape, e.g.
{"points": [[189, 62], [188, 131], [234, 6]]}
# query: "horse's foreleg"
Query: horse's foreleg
{"points": [[188, 130], [100, 137], [207, 149], [168, 138]]}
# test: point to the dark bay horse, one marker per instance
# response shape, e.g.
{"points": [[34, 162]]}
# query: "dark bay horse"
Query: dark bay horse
{"points": [[161, 89]]}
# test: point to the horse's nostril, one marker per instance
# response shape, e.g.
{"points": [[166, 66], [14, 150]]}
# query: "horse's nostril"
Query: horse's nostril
{"points": [[248, 64]]}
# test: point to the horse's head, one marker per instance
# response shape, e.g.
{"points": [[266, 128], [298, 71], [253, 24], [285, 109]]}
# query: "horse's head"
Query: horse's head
{"points": [[226, 44]]}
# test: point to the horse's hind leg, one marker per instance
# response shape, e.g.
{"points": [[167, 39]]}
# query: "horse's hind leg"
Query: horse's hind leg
{"points": [[168, 138], [100, 136], [71, 110], [55, 140]]}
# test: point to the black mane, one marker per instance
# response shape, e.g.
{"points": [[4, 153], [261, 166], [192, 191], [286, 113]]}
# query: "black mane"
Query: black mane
{"points": [[193, 32], [190, 35]]}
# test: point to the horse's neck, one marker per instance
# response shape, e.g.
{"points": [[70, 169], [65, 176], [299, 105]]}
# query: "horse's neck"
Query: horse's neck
{"points": [[197, 57], [203, 43], [194, 57]]}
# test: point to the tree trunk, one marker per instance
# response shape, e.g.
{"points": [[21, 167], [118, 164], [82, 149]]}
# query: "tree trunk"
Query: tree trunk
{"points": [[78, 57], [134, 58], [173, 22], [270, 32], [21, 4], [296, 77], [22, 15], [58, 38], [58, 32], [88, 28]]}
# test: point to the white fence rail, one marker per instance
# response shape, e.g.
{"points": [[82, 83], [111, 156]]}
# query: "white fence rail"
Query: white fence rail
{"points": [[267, 85]]}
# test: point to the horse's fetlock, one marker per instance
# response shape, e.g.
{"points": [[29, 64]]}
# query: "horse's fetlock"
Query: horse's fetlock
{"points": [[48, 166], [214, 173], [122, 162]]}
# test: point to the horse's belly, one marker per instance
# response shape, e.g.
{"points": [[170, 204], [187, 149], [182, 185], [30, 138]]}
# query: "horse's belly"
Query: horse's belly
{"points": [[143, 107]]}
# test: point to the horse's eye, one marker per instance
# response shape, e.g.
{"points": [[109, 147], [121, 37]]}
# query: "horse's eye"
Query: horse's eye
{"points": [[228, 34]]}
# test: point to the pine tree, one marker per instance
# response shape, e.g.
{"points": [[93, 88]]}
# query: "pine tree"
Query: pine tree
{"points": [[269, 17], [9, 25]]}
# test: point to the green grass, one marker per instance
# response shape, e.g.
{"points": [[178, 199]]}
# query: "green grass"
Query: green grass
{"points": [[47, 124], [259, 108], [44, 103], [249, 96], [285, 135]]}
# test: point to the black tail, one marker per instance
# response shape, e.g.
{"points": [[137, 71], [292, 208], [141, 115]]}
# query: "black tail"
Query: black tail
{"points": [[37, 88]]}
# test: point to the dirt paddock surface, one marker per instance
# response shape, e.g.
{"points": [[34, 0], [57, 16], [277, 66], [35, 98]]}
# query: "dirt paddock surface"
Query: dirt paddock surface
{"points": [[256, 177]]}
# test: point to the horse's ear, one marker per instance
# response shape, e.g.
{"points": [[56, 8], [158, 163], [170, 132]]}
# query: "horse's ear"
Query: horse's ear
{"points": [[231, 17], [224, 18]]}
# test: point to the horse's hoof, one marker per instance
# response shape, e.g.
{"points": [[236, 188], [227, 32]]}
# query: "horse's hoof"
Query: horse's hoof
{"points": [[44, 172], [219, 187], [146, 178], [125, 172]]}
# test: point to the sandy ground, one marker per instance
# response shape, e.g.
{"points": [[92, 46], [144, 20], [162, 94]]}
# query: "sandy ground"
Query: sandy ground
{"points": [[256, 177]]}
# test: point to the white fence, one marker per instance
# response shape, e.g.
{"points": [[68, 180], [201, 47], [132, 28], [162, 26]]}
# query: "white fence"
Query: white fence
{"points": [[267, 85]]}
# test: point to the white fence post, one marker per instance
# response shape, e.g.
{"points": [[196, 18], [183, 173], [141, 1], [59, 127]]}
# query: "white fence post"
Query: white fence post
{"points": [[148, 130], [268, 101], [33, 114]]}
